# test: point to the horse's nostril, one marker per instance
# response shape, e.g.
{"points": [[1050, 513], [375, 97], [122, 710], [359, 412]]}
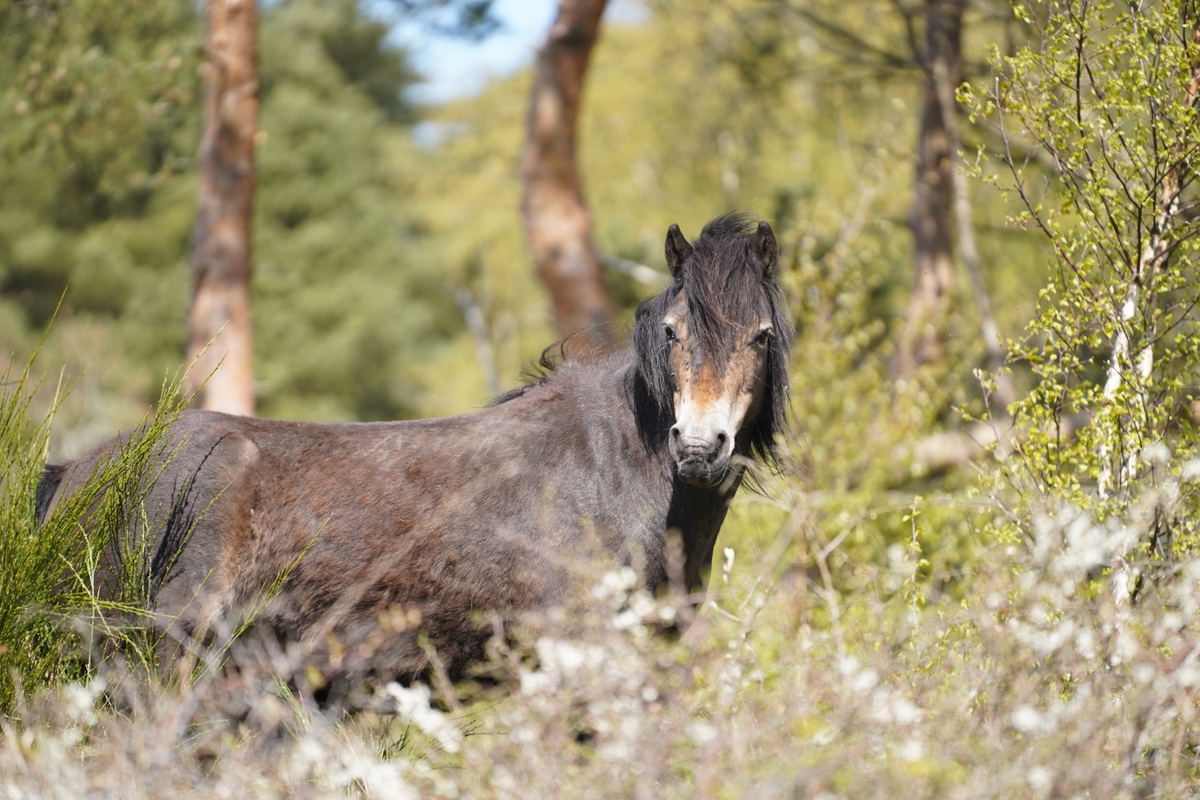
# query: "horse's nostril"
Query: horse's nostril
{"points": [[675, 433], [722, 438]]}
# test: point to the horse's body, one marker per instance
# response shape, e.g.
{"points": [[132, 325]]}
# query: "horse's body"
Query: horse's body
{"points": [[486, 511]]}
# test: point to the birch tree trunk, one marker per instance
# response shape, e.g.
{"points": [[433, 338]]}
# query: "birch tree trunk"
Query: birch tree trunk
{"points": [[932, 220], [220, 339], [557, 223], [1118, 469]]}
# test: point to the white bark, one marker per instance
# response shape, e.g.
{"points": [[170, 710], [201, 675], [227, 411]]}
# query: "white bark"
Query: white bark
{"points": [[1149, 263]]}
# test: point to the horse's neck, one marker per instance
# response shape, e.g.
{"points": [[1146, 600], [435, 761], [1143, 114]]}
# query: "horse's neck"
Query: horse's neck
{"points": [[696, 512]]}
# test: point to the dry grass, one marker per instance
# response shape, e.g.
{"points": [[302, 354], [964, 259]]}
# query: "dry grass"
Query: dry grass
{"points": [[1047, 680]]}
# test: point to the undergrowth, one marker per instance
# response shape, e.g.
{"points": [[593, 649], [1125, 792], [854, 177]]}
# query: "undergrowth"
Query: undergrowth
{"points": [[1045, 680], [52, 601]]}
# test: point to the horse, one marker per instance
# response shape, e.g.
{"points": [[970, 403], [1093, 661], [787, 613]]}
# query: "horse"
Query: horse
{"points": [[394, 532]]}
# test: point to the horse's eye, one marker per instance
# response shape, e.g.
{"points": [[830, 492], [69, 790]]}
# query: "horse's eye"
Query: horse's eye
{"points": [[764, 337], [669, 332]]}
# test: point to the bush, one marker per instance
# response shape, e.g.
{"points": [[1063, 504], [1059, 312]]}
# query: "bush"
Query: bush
{"points": [[51, 603]]}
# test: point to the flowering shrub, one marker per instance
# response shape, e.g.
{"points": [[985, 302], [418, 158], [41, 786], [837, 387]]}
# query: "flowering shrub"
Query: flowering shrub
{"points": [[1047, 680]]}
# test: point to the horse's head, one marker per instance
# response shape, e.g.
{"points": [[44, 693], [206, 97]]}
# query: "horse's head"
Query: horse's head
{"points": [[714, 347]]}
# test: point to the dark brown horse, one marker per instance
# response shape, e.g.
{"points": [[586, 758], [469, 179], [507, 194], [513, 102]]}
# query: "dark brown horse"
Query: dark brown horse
{"points": [[387, 529]]}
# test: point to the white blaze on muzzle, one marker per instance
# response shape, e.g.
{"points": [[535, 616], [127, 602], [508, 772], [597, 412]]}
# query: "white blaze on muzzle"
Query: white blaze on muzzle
{"points": [[708, 415]]}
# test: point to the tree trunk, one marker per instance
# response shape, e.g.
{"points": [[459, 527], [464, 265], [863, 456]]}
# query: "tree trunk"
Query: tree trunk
{"points": [[1004, 395], [932, 217], [557, 222], [1123, 365], [220, 340]]}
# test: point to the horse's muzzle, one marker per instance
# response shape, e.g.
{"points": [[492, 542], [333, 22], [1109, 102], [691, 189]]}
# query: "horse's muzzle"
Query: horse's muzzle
{"points": [[701, 462], [707, 475]]}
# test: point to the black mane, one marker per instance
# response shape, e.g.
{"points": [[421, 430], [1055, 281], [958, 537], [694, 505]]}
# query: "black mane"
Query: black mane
{"points": [[536, 373]]}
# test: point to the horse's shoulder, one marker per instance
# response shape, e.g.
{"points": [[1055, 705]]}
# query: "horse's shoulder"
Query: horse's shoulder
{"points": [[219, 438]]}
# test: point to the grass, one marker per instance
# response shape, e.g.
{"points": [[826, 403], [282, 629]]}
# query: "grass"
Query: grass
{"points": [[1044, 680], [52, 601]]}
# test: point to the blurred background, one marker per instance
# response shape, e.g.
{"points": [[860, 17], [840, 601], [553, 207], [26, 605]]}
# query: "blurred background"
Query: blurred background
{"points": [[391, 274]]}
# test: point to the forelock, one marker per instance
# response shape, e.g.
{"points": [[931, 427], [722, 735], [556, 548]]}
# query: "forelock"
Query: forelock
{"points": [[723, 285]]}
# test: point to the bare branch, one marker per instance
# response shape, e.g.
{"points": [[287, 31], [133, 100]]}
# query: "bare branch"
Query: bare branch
{"points": [[858, 45], [639, 272]]}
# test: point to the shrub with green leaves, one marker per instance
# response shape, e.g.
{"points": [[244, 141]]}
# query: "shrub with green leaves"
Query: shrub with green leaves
{"points": [[51, 604], [1098, 121]]}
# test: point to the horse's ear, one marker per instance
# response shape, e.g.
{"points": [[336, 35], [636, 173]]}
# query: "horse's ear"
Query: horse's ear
{"points": [[766, 249], [678, 251]]}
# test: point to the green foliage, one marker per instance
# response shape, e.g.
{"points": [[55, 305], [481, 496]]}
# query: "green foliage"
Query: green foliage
{"points": [[356, 44], [99, 127], [361, 238], [1106, 99], [98, 114], [344, 299], [52, 599]]}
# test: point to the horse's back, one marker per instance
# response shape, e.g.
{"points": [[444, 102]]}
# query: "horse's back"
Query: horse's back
{"points": [[431, 515], [486, 510]]}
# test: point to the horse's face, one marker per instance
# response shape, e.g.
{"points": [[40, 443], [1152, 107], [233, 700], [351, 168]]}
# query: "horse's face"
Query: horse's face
{"points": [[712, 403], [719, 329]]}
